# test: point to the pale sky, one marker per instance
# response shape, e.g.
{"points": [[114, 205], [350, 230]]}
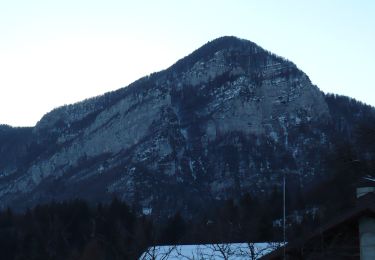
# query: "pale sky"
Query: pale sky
{"points": [[59, 52]]}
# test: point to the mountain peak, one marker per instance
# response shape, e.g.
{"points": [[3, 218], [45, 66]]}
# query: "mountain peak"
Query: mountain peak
{"points": [[197, 126], [227, 42], [238, 50], [211, 47]]}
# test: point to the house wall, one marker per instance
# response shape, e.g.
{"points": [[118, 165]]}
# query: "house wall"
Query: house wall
{"points": [[367, 238]]}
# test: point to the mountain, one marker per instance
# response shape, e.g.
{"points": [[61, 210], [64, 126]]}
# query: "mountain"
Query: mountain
{"points": [[230, 118]]}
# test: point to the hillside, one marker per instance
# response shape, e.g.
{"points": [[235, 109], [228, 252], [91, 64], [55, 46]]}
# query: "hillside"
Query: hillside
{"points": [[229, 119]]}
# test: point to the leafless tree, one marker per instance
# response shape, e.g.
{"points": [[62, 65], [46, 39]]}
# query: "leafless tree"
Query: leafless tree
{"points": [[254, 251], [158, 252], [223, 251]]}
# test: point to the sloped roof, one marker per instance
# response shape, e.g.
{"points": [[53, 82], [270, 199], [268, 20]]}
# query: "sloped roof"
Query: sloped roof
{"points": [[235, 251], [365, 206]]}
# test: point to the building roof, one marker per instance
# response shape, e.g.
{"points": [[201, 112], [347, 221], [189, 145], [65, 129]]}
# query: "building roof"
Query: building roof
{"points": [[235, 251], [365, 206], [367, 181]]}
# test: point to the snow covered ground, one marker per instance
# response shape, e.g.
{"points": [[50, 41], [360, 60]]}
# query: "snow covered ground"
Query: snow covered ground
{"points": [[236, 251]]}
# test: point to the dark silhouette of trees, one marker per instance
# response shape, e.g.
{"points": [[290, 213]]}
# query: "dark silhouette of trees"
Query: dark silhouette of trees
{"points": [[73, 230], [174, 230]]}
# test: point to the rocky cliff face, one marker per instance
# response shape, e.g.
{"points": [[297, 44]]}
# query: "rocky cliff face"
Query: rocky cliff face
{"points": [[227, 119]]}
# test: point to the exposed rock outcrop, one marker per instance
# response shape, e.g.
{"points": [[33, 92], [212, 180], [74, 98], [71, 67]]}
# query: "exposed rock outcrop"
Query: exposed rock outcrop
{"points": [[226, 119]]}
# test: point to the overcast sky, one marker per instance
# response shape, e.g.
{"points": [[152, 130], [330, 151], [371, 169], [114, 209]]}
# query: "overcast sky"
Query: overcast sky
{"points": [[59, 52]]}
